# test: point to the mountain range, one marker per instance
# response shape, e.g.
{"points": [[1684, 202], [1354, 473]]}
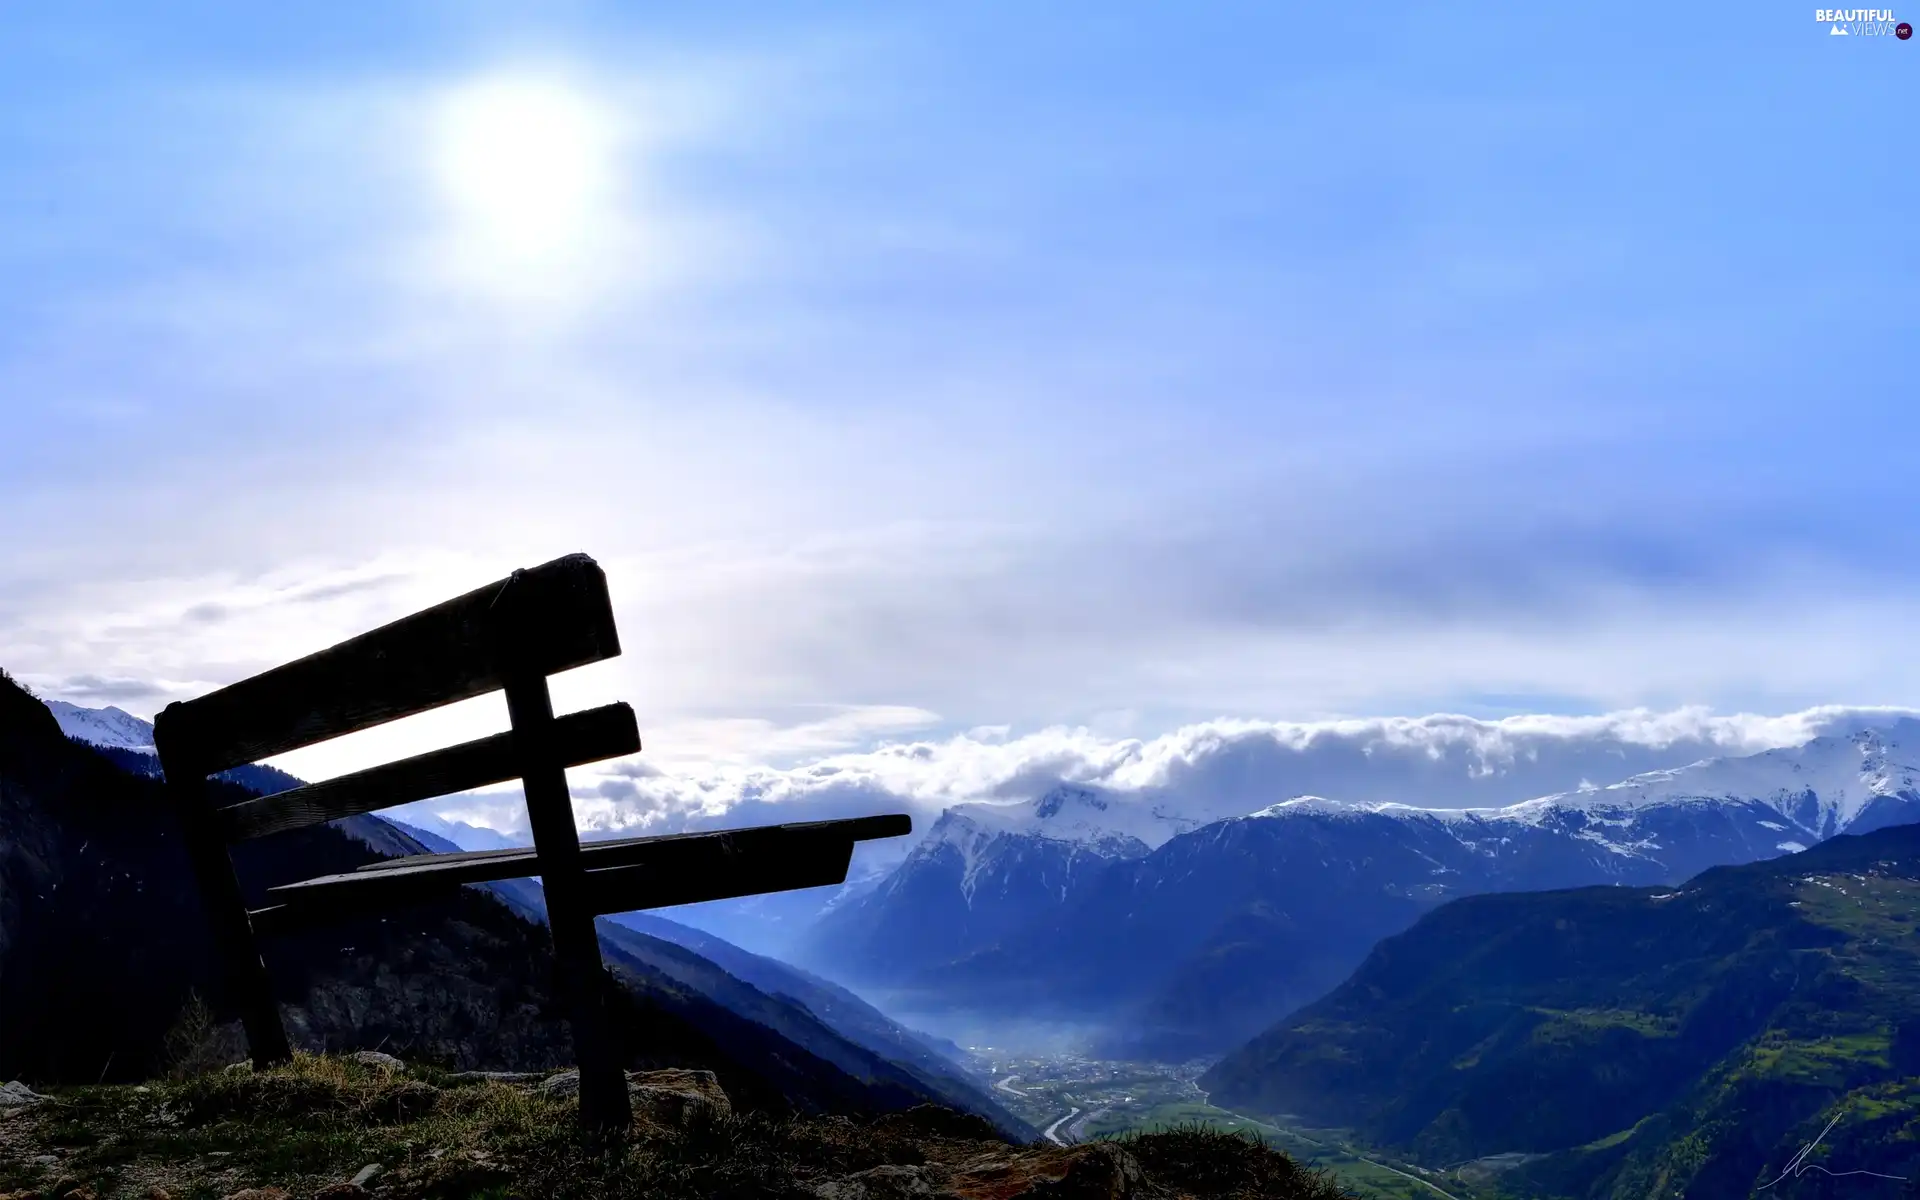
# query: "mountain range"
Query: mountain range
{"points": [[1664, 985], [88, 857], [1177, 932], [1632, 1041]]}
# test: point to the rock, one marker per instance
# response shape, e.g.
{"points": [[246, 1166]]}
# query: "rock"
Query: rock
{"points": [[377, 1060], [497, 1076], [884, 1183], [45, 1160], [1095, 1171], [677, 1099], [365, 1176], [933, 1120], [466, 1173], [265, 1193], [407, 1101], [18, 1095]]}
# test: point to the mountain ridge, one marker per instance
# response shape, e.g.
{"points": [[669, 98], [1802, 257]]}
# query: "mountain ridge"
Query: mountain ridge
{"points": [[1680, 1041]]}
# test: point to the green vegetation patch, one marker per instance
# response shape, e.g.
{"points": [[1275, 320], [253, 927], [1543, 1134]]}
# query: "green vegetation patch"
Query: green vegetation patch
{"points": [[1563, 1020], [1865, 906], [1826, 1062]]}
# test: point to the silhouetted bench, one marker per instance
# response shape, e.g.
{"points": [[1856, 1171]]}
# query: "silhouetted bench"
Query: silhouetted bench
{"points": [[508, 636]]}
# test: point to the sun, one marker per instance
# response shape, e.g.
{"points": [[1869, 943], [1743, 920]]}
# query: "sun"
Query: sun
{"points": [[526, 167]]}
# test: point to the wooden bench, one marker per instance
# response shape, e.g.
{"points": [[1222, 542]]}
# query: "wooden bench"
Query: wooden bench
{"points": [[508, 636]]}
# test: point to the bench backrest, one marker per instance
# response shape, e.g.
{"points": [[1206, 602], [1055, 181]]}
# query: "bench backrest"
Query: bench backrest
{"points": [[508, 636], [534, 623]]}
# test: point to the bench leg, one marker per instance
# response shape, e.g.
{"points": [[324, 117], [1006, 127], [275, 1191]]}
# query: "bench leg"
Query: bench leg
{"points": [[576, 945], [248, 986]]}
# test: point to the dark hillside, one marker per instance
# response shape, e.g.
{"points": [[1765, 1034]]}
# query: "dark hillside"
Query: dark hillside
{"points": [[102, 941]]}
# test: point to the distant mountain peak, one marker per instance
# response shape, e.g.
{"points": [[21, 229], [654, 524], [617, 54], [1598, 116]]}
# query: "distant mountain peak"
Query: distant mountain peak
{"points": [[1066, 794], [1113, 824], [1840, 774], [1306, 804], [109, 726]]}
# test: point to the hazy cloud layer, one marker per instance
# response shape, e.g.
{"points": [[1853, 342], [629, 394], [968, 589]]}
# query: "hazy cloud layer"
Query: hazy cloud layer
{"points": [[1215, 768], [910, 378]]}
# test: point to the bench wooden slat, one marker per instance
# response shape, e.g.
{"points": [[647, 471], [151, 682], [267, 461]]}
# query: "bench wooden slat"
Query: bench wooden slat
{"points": [[765, 847], [583, 737], [612, 890], [611, 852], [546, 619], [630, 889]]}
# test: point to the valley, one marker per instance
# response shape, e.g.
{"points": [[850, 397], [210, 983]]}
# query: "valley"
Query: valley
{"points": [[1073, 1098]]}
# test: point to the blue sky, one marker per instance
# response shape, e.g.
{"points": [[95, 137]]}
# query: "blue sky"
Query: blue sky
{"points": [[919, 368]]}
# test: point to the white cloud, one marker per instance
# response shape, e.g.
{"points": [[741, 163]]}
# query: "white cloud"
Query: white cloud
{"points": [[1215, 767]]}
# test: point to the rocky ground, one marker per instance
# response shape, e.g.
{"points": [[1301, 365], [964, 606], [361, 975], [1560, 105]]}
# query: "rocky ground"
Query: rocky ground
{"points": [[368, 1125]]}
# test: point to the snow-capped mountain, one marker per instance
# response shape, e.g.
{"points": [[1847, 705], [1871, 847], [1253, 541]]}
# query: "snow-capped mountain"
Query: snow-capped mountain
{"points": [[1853, 783], [1091, 817], [107, 726], [981, 874], [1192, 940]]}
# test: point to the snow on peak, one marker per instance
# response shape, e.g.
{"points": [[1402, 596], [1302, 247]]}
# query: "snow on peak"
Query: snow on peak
{"points": [[1309, 804], [1323, 807], [1830, 779], [1821, 785], [986, 837], [1070, 798], [107, 726], [1824, 784], [1095, 817]]}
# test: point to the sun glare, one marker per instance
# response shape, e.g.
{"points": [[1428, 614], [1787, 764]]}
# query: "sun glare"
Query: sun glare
{"points": [[527, 167]]}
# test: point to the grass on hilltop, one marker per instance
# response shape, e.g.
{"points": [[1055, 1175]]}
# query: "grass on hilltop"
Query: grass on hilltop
{"points": [[319, 1119]]}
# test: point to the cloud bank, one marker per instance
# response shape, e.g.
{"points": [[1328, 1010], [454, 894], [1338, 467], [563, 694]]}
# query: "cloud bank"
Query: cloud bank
{"points": [[1213, 768]]}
